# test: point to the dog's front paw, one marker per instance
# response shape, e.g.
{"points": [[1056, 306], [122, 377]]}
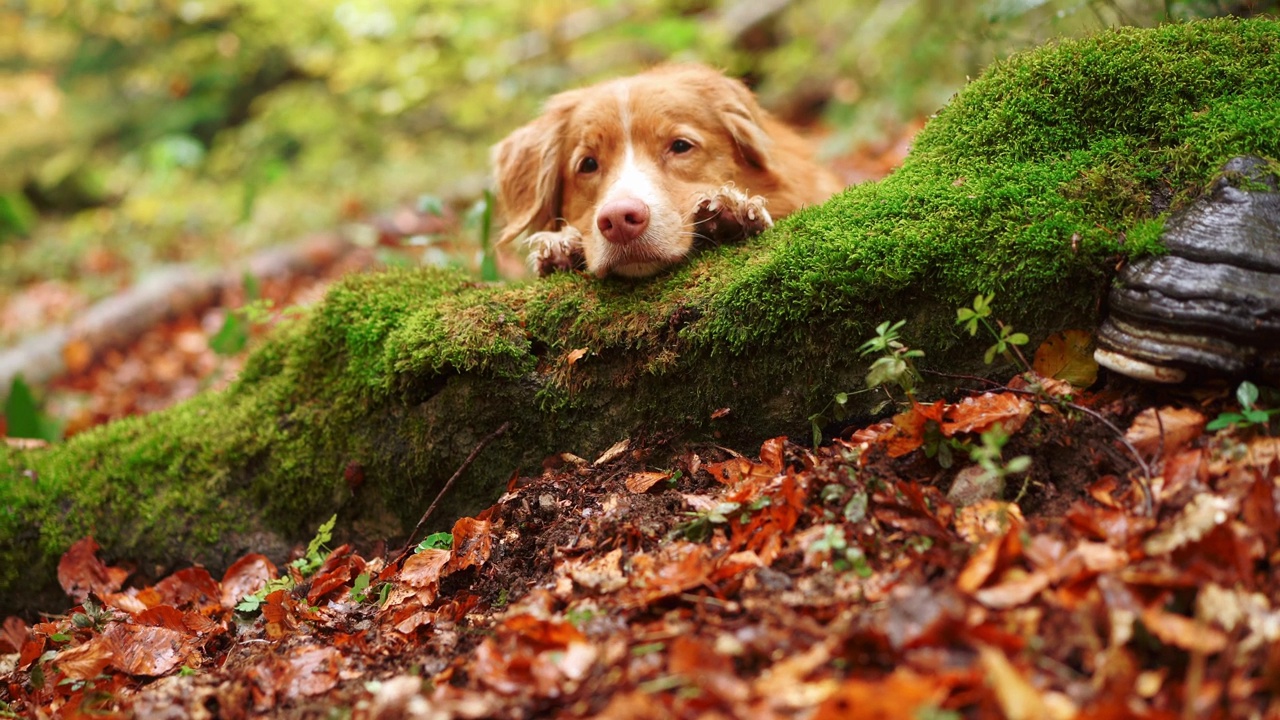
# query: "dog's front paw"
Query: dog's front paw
{"points": [[730, 214], [554, 250]]}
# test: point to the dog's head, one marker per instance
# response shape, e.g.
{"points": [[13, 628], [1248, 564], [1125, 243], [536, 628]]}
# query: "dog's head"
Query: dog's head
{"points": [[622, 162]]}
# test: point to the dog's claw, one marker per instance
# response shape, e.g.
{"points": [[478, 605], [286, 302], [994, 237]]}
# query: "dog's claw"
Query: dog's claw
{"points": [[554, 250], [730, 214]]}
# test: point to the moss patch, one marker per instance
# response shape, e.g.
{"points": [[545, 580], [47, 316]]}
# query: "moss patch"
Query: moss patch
{"points": [[1031, 184]]}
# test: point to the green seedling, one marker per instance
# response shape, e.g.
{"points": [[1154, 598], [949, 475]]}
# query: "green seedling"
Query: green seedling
{"points": [[1250, 414], [1007, 341], [305, 566], [435, 541]]}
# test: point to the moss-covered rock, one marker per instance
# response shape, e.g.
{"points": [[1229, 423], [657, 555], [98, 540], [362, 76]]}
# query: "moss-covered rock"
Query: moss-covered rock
{"points": [[1032, 184]]}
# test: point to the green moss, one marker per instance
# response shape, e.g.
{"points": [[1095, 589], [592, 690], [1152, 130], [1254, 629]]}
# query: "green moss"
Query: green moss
{"points": [[1031, 184]]}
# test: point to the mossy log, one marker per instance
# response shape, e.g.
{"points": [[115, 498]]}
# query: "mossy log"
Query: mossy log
{"points": [[1033, 183]]}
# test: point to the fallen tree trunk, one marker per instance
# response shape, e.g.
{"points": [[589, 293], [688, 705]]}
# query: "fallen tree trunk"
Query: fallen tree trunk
{"points": [[1033, 184]]}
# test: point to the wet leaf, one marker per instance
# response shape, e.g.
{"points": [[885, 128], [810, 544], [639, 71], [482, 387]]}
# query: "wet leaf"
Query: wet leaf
{"points": [[246, 576], [642, 481], [85, 661], [145, 650], [1164, 431], [80, 572]]}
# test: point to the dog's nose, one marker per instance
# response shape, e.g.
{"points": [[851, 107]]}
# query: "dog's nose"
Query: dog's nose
{"points": [[622, 221]]}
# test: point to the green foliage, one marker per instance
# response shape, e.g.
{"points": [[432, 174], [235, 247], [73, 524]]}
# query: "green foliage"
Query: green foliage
{"points": [[1250, 414], [304, 566], [360, 588], [894, 366], [1006, 338], [435, 541], [23, 417], [989, 457]]}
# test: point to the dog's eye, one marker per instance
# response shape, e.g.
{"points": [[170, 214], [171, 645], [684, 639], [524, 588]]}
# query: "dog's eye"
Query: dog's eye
{"points": [[680, 146], [588, 165]]}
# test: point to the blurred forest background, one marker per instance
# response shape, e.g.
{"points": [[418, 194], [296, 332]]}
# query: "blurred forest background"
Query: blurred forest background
{"points": [[135, 133]]}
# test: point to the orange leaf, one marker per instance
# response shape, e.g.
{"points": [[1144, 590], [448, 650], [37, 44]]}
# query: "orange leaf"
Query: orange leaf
{"points": [[1067, 355], [980, 413], [641, 482], [144, 650], [472, 543], [1168, 428], [423, 569], [192, 588], [312, 670], [908, 428], [86, 661], [1183, 632], [80, 572], [246, 576]]}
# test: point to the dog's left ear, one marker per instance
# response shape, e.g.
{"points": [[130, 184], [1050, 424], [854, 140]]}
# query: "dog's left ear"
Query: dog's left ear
{"points": [[744, 118], [527, 173]]}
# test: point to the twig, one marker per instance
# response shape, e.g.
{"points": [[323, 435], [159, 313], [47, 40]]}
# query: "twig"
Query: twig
{"points": [[461, 469]]}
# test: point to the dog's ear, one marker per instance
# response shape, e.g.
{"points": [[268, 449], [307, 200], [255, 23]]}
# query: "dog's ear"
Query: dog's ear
{"points": [[526, 166], [744, 118]]}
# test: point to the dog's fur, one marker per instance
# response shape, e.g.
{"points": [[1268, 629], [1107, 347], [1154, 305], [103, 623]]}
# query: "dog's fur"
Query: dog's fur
{"points": [[620, 177]]}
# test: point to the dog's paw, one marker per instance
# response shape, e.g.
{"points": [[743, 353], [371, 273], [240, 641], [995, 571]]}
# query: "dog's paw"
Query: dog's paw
{"points": [[554, 250], [730, 214]]}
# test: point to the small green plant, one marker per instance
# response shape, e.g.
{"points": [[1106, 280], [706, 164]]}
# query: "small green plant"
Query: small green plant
{"points": [[360, 588], [435, 541], [844, 556], [481, 215], [894, 366], [305, 565], [1250, 414], [700, 524], [23, 418], [1007, 341], [92, 617], [989, 457], [233, 336]]}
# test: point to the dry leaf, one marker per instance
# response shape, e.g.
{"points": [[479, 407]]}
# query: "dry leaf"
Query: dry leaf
{"points": [[1068, 356], [1205, 512], [641, 482], [1016, 697], [1170, 429]]}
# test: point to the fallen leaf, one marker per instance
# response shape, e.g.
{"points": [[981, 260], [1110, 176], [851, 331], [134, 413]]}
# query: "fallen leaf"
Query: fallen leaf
{"points": [[1016, 589], [902, 694], [1183, 632], [1205, 512], [574, 356], [312, 670], [144, 650], [191, 588], [1067, 355], [472, 543], [86, 661], [641, 482], [982, 412], [423, 569], [12, 635], [1165, 431], [80, 572], [613, 452], [246, 576], [1017, 698]]}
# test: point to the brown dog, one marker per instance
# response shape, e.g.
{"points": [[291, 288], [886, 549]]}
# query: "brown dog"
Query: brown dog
{"points": [[622, 176]]}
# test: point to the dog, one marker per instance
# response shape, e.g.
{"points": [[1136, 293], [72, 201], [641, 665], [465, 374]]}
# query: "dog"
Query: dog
{"points": [[623, 176]]}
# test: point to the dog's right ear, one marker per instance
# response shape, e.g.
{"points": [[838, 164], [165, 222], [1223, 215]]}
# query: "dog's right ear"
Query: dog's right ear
{"points": [[526, 166]]}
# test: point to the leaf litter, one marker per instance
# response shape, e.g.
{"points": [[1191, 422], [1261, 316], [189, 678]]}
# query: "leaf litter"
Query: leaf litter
{"points": [[803, 583]]}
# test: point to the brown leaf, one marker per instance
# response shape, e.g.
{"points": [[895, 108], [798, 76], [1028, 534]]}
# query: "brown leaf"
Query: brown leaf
{"points": [[1169, 429], [191, 588], [423, 569], [144, 650], [1067, 355], [312, 671], [246, 576], [909, 426], [165, 616], [1017, 698], [982, 412], [641, 482], [86, 661], [80, 572], [1016, 588], [574, 356], [1183, 632], [13, 634], [472, 543], [1205, 512], [903, 694]]}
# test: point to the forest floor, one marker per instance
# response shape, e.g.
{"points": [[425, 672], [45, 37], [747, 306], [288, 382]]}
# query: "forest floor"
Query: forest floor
{"points": [[1022, 551]]}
